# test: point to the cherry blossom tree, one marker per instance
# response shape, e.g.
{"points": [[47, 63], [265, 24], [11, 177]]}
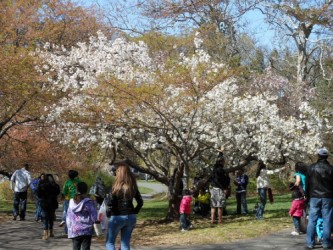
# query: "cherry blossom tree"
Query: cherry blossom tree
{"points": [[169, 115]]}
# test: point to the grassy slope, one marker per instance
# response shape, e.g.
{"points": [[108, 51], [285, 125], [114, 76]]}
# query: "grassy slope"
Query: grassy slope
{"points": [[152, 232]]}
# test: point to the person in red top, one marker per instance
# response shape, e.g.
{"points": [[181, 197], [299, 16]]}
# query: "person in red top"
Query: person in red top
{"points": [[185, 210], [297, 207]]}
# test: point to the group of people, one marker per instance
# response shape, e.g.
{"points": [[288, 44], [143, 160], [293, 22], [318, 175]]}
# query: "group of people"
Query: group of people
{"points": [[80, 211], [311, 190]]}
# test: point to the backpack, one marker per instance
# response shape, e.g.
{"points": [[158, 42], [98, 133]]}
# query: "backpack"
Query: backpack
{"points": [[34, 184]]}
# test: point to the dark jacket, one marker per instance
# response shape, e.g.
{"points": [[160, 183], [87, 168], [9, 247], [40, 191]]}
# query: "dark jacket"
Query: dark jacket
{"points": [[320, 180], [219, 178], [120, 205], [241, 182], [48, 192]]}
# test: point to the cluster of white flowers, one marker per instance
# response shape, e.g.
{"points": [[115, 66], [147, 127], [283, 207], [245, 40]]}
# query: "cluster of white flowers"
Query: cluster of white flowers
{"points": [[247, 124]]}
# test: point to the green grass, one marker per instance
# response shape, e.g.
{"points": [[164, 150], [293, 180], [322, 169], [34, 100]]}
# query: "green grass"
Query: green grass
{"points": [[154, 209], [157, 208]]}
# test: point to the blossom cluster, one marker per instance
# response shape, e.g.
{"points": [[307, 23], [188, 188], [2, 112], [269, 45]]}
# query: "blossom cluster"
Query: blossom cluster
{"points": [[186, 123]]}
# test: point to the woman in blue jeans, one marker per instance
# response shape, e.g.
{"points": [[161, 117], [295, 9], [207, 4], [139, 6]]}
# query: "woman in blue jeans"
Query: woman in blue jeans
{"points": [[123, 212], [262, 186]]}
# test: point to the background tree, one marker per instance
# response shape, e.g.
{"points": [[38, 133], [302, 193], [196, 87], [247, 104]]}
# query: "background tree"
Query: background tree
{"points": [[24, 145], [25, 26], [308, 24]]}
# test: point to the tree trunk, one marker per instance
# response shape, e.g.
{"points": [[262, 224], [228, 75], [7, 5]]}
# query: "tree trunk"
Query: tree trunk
{"points": [[173, 209]]}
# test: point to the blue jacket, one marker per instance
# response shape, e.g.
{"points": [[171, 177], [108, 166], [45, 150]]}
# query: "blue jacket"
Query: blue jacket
{"points": [[241, 181]]}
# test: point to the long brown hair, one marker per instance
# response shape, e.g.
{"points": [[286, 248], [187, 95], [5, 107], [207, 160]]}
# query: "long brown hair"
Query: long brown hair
{"points": [[125, 183]]}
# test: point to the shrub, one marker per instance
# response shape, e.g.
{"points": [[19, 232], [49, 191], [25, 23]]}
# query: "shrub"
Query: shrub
{"points": [[5, 192]]}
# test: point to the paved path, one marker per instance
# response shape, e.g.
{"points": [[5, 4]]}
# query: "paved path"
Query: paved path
{"points": [[156, 186]]}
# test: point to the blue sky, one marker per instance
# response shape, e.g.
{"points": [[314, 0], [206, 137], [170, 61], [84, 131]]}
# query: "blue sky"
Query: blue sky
{"points": [[257, 27]]}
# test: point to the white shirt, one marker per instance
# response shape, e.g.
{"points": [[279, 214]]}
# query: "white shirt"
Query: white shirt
{"points": [[263, 179], [20, 180]]}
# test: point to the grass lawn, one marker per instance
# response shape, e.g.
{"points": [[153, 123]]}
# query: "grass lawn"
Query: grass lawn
{"points": [[151, 230]]}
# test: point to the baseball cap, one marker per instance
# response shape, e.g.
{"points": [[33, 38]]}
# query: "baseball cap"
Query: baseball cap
{"points": [[322, 151]]}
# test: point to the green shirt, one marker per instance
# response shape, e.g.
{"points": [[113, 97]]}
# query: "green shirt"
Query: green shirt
{"points": [[69, 190]]}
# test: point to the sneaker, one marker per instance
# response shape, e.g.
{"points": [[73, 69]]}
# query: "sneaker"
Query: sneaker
{"points": [[184, 230], [61, 223], [294, 233], [15, 216], [22, 219]]}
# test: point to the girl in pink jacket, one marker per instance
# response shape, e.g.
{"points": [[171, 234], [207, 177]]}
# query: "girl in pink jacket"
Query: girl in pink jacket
{"points": [[297, 207], [185, 210]]}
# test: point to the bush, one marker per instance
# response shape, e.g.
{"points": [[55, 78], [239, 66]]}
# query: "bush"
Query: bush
{"points": [[5, 192]]}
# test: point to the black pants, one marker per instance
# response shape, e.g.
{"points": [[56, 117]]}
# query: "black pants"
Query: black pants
{"points": [[84, 241], [20, 204]]}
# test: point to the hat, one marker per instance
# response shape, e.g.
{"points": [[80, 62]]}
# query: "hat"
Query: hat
{"points": [[322, 151]]}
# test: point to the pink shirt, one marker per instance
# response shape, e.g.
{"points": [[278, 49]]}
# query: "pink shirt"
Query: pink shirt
{"points": [[297, 207], [185, 205]]}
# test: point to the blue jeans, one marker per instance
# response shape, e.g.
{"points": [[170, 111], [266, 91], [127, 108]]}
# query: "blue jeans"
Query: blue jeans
{"points": [[20, 204], [263, 199], [241, 203], [296, 221], [320, 207], [38, 208], [120, 223], [184, 221], [65, 205], [48, 218]]}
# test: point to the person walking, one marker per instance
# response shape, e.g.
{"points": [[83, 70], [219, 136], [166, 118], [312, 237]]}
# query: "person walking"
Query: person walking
{"points": [[241, 182], [263, 184], [48, 191], [19, 183], [34, 187], [297, 207], [81, 216], [123, 212], [69, 192], [185, 210], [219, 182], [319, 191]]}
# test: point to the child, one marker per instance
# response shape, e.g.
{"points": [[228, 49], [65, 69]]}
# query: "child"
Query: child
{"points": [[297, 207], [81, 216], [203, 200], [185, 210]]}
